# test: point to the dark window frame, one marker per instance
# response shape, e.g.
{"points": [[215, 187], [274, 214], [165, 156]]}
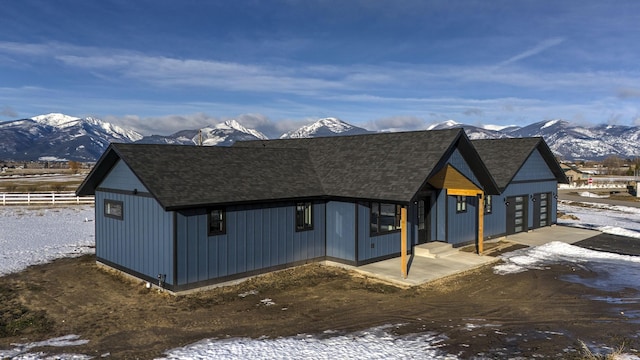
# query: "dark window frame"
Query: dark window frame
{"points": [[304, 216], [461, 204], [375, 222], [488, 204], [217, 226], [109, 205]]}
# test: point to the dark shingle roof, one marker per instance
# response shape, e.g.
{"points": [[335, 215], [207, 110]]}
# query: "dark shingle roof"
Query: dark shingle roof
{"points": [[504, 157], [382, 166], [191, 176]]}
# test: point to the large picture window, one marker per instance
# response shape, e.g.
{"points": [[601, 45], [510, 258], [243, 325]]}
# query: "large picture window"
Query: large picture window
{"points": [[304, 216], [113, 209], [217, 218], [385, 218]]}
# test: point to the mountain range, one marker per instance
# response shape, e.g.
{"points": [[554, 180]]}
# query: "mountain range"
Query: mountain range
{"points": [[59, 137]]}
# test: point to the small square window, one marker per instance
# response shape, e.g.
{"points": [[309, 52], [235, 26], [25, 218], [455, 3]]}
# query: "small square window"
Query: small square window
{"points": [[304, 216], [216, 221], [113, 209], [461, 204]]}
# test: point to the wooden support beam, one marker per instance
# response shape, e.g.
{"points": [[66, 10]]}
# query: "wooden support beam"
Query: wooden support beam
{"points": [[403, 237], [480, 223], [463, 192]]}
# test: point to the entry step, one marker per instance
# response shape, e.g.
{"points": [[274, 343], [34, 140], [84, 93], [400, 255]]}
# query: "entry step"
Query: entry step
{"points": [[434, 250]]}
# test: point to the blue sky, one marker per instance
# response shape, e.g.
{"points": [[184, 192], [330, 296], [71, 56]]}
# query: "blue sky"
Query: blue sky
{"points": [[160, 66]]}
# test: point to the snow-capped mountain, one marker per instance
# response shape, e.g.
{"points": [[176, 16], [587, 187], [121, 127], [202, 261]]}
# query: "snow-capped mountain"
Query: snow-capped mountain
{"points": [[223, 134], [325, 127], [63, 137], [566, 140], [473, 132], [578, 142], [59, 136]]}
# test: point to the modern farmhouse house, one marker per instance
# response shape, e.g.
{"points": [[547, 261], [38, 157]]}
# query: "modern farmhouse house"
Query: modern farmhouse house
{"points": [[189, 217]]}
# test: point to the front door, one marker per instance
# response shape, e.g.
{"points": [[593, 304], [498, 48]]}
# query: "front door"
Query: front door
{"points": [[516, 214], [424, 220], [541, 210]]}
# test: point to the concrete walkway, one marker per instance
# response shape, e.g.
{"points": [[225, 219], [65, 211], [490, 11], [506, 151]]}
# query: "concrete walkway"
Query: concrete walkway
{"points": [[423, 270]]}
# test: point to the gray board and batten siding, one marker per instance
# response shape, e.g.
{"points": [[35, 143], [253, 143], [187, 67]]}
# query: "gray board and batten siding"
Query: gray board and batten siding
{"points": [[257, 237], [142, 241]]}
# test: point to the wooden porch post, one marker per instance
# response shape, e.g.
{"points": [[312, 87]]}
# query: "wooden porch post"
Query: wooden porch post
{"points": [[480, 222], [403, 237]]}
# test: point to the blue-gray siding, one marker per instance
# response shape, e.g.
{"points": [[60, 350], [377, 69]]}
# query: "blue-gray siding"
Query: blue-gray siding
{"points": [[533, 177], [141, 241], [341, 230], [535, 168], [459, 163], [372, 247], [122, 178], [462, 227], [257, 237]]}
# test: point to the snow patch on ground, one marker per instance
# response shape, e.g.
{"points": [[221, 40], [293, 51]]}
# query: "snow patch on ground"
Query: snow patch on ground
{"points": [[615, 272], [592, 195], [375, 343], [21, 351]]}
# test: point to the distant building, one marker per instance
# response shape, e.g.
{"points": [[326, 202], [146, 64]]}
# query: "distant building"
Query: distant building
{"points": [[575, 175]]}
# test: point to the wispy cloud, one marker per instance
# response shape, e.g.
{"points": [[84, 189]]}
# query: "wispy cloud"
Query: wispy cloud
{"points": [[8, 111], [628, 93], [318, 80], [396, 123], [544, 45]]}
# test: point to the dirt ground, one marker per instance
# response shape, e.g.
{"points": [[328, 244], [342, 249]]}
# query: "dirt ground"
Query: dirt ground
{"points": [[527, 314]]}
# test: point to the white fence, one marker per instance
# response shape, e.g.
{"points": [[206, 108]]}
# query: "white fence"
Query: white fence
{"points": [[51, 198]]}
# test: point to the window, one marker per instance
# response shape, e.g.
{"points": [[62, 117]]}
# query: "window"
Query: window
{"points": [[384, 218], [461, 204], [113, 209], [304, 216], [216, 221], [488, 204]]}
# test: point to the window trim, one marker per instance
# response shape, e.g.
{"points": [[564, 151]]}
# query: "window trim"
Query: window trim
{"points": [[108, 203], [222, 221], [304, 216], [378, 232], [461, 204]]}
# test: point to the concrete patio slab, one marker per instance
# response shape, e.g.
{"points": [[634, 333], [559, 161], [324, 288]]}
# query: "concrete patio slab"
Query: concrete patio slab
{"points": [[423, 270]]}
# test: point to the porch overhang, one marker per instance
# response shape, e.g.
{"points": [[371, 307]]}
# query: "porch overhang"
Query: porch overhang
{"points": [[456, 184]]}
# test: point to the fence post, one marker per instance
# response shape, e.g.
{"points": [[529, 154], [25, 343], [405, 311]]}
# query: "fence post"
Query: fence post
{"points": [[28, 198], [53, 198]]}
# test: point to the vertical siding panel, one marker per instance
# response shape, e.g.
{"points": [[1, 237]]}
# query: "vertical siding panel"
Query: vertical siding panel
{"points": [[136, 242], [257, 237], [234, 246], [255, 240], [241, 244], [202, 254]]}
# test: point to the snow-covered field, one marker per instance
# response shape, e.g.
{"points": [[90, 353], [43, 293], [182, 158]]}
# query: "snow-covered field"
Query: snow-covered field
{"points": [[31, 236], [610, 219]]}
